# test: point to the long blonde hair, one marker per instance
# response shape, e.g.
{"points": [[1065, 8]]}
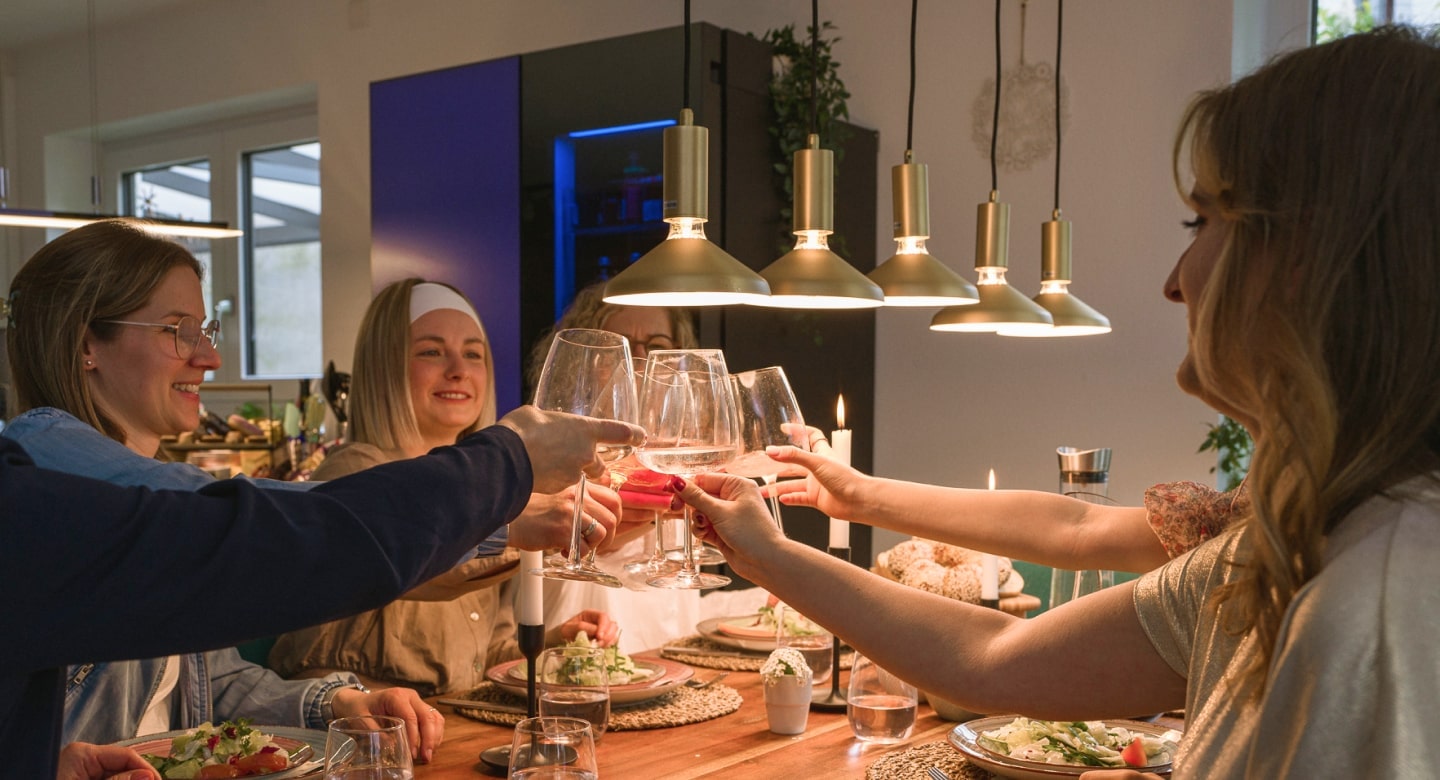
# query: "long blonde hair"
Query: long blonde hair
{"points": [[380, 409], [1321, 319], [104, 270]]}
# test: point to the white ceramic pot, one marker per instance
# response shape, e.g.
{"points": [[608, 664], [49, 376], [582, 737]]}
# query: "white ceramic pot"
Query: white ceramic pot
{"points": [[787, 703]]}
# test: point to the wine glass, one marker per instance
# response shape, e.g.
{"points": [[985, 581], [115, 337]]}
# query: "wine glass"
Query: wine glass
{"points": [[688, 410], [574, 683], [367, 746], [768, 415], [553, 748], [587, 372]]}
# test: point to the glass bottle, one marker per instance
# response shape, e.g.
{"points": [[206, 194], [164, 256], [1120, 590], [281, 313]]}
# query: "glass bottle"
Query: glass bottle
{"points": [[1084, 475]]}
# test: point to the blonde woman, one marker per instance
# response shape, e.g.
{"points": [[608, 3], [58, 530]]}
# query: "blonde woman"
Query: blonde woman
{"points": [[422, 378], [1310, 291]]}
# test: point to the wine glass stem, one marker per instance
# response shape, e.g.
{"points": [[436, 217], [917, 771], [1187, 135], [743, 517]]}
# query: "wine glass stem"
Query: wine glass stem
{"points": [[688, 569], [769, 480], [575, 537], [659, 553]]}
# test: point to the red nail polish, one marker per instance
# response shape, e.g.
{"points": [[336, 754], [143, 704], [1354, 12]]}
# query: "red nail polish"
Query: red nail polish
{"points": [[677, 484]]}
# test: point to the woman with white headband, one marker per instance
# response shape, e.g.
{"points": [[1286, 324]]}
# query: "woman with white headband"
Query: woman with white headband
{"points": [[423, 378]]}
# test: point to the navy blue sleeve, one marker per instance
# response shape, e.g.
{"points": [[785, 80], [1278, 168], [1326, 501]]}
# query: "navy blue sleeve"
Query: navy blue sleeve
{"points": [[91, 571]]}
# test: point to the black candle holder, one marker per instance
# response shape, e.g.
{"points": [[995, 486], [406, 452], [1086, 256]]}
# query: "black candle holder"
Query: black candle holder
{"points": [[531, 639], [834, 701]]}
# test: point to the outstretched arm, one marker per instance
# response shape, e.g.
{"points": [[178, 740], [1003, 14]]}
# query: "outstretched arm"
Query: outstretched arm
{"points": [[1044, 528]]}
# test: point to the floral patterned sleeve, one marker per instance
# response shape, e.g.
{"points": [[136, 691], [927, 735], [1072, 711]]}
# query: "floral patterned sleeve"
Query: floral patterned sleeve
{"points": [[1185, 514]]}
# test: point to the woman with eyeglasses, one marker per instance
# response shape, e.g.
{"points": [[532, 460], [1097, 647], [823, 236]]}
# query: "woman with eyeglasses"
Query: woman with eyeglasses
{"points": [[108, 353]]}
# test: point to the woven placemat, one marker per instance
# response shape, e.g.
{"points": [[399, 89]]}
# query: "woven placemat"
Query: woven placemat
{"points": [[677, 708], [912, 764], [731, 663]]}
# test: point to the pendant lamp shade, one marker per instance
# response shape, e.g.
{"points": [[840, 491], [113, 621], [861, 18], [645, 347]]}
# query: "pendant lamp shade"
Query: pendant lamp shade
{"points": [[811, 276], [64, 220], [1001, 306], [912, 276], [1073, 317], [686, 269]]}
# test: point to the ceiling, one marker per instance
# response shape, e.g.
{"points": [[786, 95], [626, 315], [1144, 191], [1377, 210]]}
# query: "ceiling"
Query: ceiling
{"points": [[23, 22]]}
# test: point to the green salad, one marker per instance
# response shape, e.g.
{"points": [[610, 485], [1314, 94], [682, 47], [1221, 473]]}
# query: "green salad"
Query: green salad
{"points": [[796, 624], [242, 750], [583, 669], [1079, 743]]}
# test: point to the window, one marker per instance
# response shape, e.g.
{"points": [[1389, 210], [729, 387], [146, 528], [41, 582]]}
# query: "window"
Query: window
{"points": [[263, 174], [282, 261], [1339, 18]]}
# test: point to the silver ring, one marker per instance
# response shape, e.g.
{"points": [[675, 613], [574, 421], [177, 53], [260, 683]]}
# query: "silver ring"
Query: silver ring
{"points": [[589, 529]]}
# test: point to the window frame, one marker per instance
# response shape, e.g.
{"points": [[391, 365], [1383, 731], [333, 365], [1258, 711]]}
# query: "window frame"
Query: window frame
{"points": [[224, 144]]}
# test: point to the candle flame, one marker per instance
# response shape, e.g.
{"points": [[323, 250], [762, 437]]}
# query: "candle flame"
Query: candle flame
{"points": [[840, 411], [992, 479]]}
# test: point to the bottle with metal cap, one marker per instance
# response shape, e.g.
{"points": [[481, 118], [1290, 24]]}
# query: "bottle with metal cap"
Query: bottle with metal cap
{"points": [[1084, 475]]}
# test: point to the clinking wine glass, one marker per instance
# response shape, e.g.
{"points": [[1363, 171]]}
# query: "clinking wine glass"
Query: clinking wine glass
{"points": [[768, 415], [587, 372], [688, 411]]}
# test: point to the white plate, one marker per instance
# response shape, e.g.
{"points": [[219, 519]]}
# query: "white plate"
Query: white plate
{"points": [[737, 633], [964, 738], [288, 737], [667, 675]]}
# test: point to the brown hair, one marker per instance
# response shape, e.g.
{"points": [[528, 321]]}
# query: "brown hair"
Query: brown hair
{"points": [[589, 310], [1320, 320], [380, 409], [104, 270]]}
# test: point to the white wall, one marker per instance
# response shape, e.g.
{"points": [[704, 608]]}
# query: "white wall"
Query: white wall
{"points": [[951, 406]]}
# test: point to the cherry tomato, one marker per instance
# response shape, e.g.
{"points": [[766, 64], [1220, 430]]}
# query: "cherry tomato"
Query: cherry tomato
{"points": [[1134, 753], [262, 762]]}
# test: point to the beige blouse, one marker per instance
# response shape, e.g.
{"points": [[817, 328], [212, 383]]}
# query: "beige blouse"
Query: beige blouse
{"points": [[1352, 685], [440, 645]]}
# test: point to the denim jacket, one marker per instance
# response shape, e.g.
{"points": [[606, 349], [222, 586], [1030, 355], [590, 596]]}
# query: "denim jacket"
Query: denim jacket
{"points": [[104, 701]]}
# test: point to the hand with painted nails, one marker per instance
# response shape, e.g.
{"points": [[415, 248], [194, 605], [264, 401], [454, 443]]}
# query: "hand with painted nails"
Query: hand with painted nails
{"points": [[730, 514]]}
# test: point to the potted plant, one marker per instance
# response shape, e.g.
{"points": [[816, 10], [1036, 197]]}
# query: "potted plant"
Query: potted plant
{"points": [[786, 680]]}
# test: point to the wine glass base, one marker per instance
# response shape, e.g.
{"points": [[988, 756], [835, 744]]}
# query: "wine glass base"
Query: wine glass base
{"points": [[680, 580], [582, 573], [651, 567], [496, 760], [704, 556]]}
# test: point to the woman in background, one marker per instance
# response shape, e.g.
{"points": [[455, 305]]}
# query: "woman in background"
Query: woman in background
{"points": [[423, 378]]}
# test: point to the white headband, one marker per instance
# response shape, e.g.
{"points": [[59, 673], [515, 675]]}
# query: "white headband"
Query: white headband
{"points": [[428, 296]]}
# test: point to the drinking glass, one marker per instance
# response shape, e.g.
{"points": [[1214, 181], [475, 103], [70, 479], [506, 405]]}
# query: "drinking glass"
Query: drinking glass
{"points": [[574, 682], [548, 747], [881, 706], [818, 649], [688, 410], [588, 372], [768, 415], [371, 747]]}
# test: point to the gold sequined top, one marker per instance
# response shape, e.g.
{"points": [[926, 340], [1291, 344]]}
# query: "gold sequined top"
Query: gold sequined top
{"points": [[1354, 682]]}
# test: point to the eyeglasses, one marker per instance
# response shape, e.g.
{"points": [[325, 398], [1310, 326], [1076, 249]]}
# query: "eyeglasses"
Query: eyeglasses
{"points": [[643, 348], [187, 333]]}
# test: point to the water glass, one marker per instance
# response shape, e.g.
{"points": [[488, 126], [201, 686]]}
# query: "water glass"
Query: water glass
{"points": [[372, 747], [573, 682], [545, 748], [881, 706], [818, 649]]}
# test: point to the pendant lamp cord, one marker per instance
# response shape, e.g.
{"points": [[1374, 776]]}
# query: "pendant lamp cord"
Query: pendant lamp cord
{"points": [[94, 113], [910, 113], [814, 66], [686, 103], [1059, 36], [995, 120]]}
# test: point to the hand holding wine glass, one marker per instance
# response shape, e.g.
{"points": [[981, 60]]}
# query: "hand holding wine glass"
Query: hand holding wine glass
{"points": [[688, 410], [768, 415], [587, 372]]}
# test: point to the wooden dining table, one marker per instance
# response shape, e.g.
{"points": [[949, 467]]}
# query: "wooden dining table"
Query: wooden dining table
{"points": [[736, 746]]}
